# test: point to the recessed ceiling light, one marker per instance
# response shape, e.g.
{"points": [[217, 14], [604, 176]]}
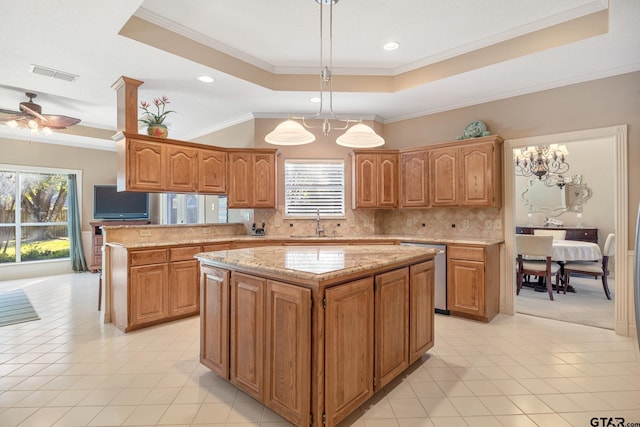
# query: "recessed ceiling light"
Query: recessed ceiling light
{"points": [[315, 99], [391, 45], [206, 79]]}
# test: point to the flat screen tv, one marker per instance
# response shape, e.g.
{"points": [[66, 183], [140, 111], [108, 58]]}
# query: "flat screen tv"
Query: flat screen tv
{"points": [[109, 203]]}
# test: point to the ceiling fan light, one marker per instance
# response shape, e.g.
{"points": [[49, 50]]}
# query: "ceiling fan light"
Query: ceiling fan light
{"points": [[32, 124], [360, 136], [47, 131], [12, 124], [289, 132]]}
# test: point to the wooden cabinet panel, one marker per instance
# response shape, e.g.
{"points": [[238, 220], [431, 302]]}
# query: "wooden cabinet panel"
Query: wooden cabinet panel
{"points": [[251, 181], [214, 320], [264, 177], [466, 290], [212, 171], [183, 253], [149, 294], [387, 175], [181, 166], [375, 179], [145, 166], [392, 325], [288, 351], [421, 309], [477, 166], [443, 176], [247, 334], [414, 179], [148, 256], [184, 295], [349, 348]]}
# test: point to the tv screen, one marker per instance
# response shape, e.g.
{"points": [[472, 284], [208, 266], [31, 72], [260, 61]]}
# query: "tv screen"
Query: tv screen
{"points": [[108, 203]]}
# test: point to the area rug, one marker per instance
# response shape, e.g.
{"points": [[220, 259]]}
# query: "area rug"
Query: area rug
{"points": [[15, 307]]}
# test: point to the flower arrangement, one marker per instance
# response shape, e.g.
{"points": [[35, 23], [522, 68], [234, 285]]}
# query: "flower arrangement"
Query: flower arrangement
{"points": [[158, 118]]}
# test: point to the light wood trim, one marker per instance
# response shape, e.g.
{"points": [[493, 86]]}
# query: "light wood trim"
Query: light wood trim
{"points": [[148, 256], [127, 104], [421, 294], [466, 252], [184, 253], [214, 320]]}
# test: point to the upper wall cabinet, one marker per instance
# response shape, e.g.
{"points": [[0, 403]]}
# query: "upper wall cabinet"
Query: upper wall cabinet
{"points": [[165, 165], [467, 173], [414, 179], [251, 178], [375, 179]]}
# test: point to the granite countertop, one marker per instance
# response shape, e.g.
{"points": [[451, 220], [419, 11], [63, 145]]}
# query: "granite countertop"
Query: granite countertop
{"points": [[311, 239], [315, 263]]}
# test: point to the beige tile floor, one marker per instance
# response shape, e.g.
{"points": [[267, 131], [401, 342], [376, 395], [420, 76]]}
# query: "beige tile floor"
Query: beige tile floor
{"points": [[70, 369]]}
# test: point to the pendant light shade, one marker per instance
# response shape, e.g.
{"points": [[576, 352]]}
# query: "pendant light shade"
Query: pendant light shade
{"points": [[289, 132], [360, 136]]}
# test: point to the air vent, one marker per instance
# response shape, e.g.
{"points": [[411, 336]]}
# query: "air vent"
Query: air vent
{"points": [[49, 72]]}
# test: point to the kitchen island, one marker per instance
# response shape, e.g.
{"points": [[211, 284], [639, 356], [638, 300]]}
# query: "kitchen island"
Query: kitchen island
{"points": [[313, 332]]}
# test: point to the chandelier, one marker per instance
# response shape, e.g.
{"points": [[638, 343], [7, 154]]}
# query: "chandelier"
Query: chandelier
{"points": [[541, 161], [292, 132]]}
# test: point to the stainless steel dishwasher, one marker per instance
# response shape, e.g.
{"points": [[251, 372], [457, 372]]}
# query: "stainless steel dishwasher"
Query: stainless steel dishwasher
{"points": [[440, 279]]}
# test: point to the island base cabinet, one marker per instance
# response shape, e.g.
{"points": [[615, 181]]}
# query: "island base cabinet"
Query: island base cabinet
{"points": [[392, 326], [247, 334], [288, 348], [421, 309], [214, 320], [348, 348]]}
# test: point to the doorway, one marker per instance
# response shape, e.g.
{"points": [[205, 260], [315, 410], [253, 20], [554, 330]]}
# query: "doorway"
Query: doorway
{"points": [[617, 137]]}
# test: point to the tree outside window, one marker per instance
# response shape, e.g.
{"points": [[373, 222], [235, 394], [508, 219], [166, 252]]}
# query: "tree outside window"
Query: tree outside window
{"points": [[33, 216]]}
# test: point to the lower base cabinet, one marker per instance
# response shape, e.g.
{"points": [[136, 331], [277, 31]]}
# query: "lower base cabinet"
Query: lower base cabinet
{"points": [[473, 280], [301, 350]]}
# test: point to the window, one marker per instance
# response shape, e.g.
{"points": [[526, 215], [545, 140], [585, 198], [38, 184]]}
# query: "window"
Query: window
{"points": [[193, 209], [312, 185], [33, 215]]}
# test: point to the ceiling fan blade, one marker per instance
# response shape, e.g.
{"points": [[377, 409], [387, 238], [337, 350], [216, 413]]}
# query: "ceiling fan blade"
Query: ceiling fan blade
{"points": [[58, 122]]}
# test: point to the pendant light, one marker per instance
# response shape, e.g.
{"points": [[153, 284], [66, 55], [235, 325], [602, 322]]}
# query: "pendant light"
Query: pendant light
{"points": [[291, 132]]}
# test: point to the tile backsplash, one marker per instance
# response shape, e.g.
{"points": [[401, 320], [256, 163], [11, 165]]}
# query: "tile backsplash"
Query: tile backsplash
{"points": [[436, 222]]}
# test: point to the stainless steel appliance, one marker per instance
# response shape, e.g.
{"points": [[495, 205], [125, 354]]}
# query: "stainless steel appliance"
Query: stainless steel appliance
{"points": [[440, 260]]}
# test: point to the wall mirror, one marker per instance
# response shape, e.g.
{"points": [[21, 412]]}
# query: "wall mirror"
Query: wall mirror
{"points": [[556, 196]]}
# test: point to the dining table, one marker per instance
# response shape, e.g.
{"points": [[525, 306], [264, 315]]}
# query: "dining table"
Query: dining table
{"points": [[569, 250]]}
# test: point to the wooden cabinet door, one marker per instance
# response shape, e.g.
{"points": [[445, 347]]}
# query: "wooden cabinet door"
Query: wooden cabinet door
{"points": [[421, 309], [443, 176], [247, 334], [392, 325], [466, 287], [365, 181], [214, 320], [184, 295], [288, 351], [414, 179], [145, 167], [240, 187], [181, 166], [149, 293], [264, 181], [477, 168], [387, 180], [348, 348], [212, 171]]}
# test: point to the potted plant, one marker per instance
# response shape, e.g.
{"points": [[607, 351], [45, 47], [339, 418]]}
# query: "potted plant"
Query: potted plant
{"points": [[155, 121]]}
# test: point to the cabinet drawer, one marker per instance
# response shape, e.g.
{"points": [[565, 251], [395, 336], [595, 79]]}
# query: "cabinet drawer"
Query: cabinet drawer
{"points": [[465, 252], [183, 254], [154, 256]]}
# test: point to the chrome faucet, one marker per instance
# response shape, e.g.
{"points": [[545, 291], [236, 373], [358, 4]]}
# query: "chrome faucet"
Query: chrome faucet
{"points": [[319, 230]]}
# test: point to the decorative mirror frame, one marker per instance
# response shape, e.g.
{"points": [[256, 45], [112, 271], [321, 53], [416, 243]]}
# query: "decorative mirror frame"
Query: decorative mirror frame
{"points": [[581, 191]]}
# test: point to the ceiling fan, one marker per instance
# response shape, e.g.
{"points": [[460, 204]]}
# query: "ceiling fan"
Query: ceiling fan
{"points": [[30, 117]]}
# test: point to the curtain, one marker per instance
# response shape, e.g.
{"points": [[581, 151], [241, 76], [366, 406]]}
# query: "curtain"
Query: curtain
{"points": [[78, 262]]}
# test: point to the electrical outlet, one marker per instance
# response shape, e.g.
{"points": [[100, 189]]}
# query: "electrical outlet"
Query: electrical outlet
{"points": [[206, 230], [497, 224], [145, 233], [488, 224], [465, 224], [409, 223]]}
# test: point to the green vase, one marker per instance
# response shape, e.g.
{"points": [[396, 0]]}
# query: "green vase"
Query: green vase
{"points": [[159, 131]]}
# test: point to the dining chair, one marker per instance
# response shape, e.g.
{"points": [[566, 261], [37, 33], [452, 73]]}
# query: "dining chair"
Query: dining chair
{"points": [[557, 234], [528, 248], [595, 269]]}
